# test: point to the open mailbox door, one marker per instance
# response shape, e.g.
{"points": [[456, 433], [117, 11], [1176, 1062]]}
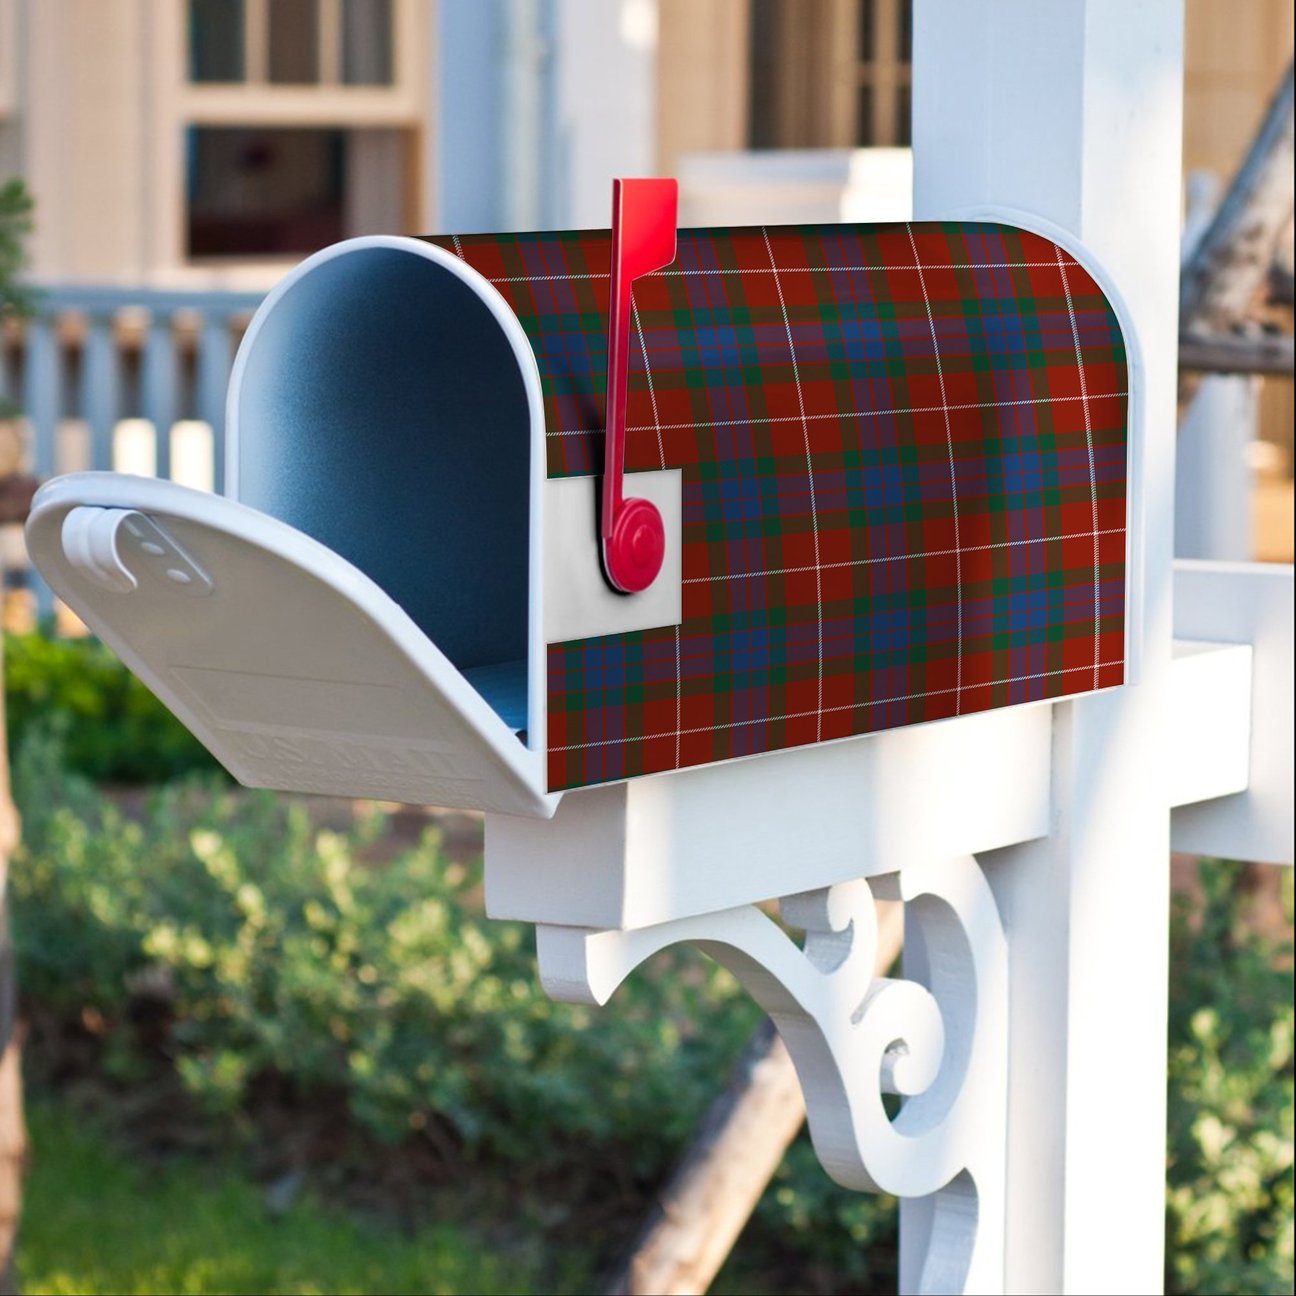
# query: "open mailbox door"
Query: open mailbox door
{"points": [[293, 667], [361, 622]]}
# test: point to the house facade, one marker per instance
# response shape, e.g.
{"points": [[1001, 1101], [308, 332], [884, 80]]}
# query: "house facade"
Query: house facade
{"points": [[208, 143], [213, 142], [205, 146]]}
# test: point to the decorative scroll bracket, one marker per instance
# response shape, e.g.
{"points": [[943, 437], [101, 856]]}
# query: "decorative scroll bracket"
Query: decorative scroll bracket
{"points": [[938, 1037]]}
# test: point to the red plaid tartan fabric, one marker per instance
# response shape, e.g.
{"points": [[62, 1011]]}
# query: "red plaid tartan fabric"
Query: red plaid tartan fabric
{"points": [[903, 451]]}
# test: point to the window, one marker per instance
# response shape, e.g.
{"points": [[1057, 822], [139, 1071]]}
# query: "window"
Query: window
{"points": [[216, 50], [281, 192], [884, 71], [297, 123], [366, 42], [291, 42], [264, 192], [293, 53], [830, 73]]}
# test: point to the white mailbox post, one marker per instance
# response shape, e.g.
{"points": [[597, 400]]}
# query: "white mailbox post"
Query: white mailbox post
{"points": [[1029, 843], [1073, 111]]}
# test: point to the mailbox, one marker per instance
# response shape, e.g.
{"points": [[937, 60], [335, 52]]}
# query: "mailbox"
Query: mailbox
{"points": [[883, 470]]}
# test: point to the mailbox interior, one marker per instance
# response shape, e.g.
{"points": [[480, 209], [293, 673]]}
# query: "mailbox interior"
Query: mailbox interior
{"points": [[382, 405]]}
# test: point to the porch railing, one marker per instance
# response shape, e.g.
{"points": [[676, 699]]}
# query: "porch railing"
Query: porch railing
{"points": [[125, 379]]}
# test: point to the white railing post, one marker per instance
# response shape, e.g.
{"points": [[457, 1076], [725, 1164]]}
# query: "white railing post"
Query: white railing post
{"points": [[109, 389], [1213, 508], [1072, 113], [158, 383], [214, 357], [42, 390], [100, 394]]}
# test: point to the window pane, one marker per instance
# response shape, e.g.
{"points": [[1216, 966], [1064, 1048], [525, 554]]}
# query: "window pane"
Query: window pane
{"points": [[763, 67], [867, 19], [864, 116], [367, 42], [905, 52], [264, 192], [216, 40], [294, 42], [903, 108]]}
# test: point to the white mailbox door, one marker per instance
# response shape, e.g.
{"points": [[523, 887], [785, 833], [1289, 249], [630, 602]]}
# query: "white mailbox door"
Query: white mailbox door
{"points": [[287, 662]]}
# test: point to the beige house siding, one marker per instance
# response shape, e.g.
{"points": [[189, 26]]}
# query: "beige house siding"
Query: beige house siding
{"points": [[702, 81], [83, 115], [1233, 57]]}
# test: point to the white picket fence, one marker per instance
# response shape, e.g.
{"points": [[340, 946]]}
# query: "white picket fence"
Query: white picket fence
{"points": [[131, 380]]}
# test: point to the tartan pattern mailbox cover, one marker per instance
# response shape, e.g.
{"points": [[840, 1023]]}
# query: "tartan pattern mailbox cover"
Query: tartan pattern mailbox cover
{"points": [[903, 451]]}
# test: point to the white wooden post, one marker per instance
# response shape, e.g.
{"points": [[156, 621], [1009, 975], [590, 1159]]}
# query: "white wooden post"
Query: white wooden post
{"points": [[1214, 516], [1072, 112]]}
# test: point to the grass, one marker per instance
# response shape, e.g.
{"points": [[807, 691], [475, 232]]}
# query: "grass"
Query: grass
{"points": [[96, 1221]]}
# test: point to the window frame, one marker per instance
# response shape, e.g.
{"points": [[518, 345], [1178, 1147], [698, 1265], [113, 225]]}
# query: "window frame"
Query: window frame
{"points": [[816, 94], [181, 104], [886, 73], [256, 100]]}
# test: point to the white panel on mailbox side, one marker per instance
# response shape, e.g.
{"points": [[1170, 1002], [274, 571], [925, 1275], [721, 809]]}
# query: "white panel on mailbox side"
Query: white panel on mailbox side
{"points": [[287, 662]]}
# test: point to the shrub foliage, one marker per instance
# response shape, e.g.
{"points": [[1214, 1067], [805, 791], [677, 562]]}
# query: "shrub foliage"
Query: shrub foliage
{"points": [[281, 952], [1229, 1200], [112, 728]]}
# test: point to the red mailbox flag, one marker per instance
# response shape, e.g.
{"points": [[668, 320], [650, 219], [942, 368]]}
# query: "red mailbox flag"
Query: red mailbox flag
{"points": [[643, 240]]}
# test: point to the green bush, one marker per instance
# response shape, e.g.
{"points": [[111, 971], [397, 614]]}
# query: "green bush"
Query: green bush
{"points": [[281, 953], [113, 728], [1230, 1200], [846, 1239]]}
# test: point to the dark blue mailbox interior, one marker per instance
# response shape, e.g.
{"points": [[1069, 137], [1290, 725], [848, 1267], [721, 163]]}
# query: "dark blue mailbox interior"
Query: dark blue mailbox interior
{"points": [[382, 411]]}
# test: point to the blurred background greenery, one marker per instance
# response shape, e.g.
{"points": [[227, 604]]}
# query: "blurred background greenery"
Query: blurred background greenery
{"points": [[288, 1021]]}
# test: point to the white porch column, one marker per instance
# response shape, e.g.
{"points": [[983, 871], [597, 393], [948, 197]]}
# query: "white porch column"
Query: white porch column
{"points": [[1214, 512], [605, 104], [1071, 111]]}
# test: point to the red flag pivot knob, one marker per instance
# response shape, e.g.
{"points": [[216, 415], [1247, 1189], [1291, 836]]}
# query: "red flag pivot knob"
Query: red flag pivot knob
{"points": [[633, 553]]}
